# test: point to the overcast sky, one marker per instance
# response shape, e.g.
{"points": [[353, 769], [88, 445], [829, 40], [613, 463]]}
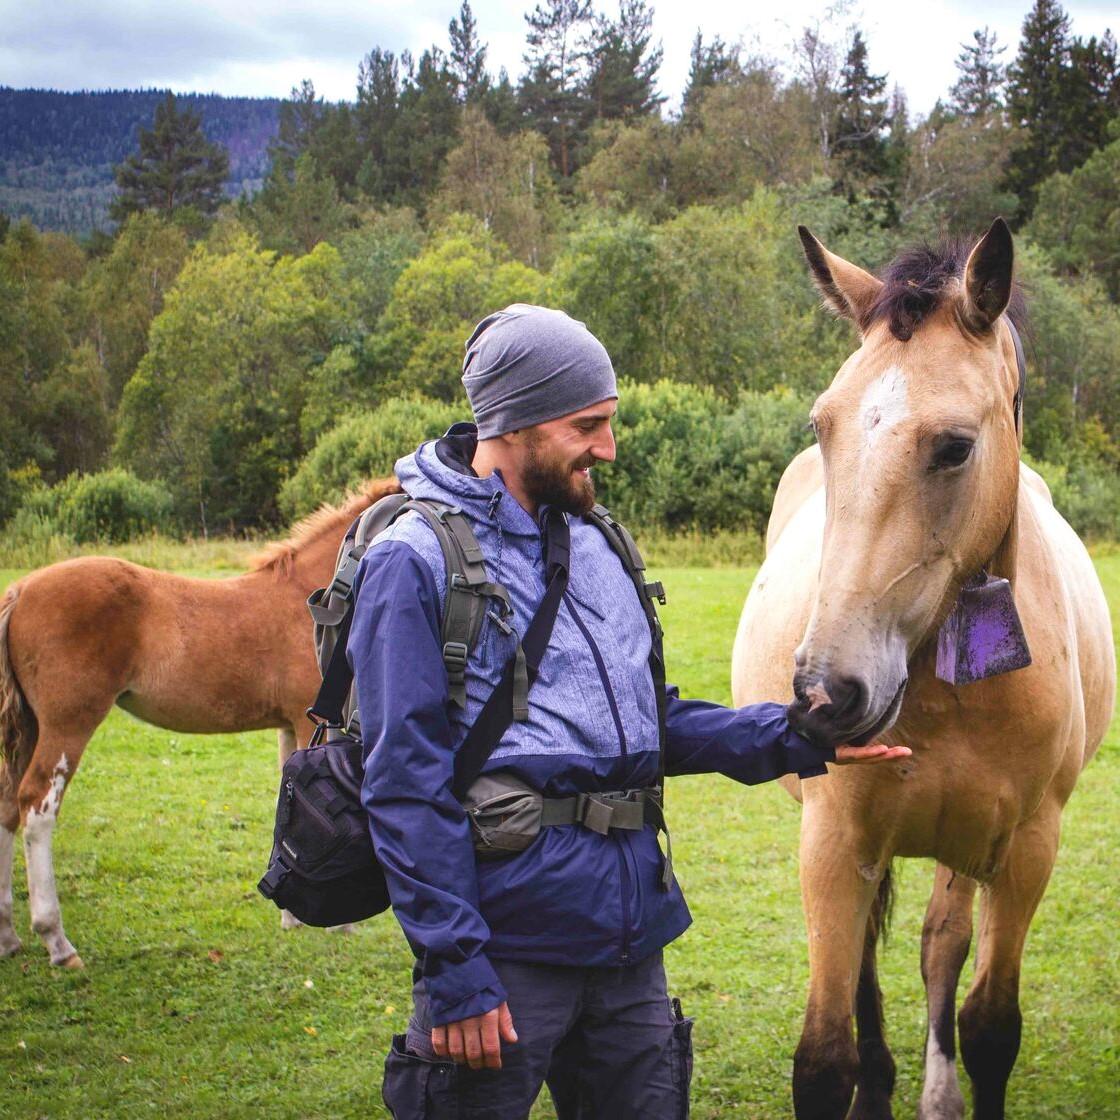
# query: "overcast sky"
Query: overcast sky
{"points": [[264, 47]]}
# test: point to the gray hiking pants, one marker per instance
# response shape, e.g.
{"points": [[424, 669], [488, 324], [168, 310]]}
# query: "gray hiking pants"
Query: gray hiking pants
{"points": [[608, 1041]]}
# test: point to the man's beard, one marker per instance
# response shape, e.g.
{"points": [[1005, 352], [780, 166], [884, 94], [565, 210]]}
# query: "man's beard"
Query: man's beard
{"points": [[551, 482]]}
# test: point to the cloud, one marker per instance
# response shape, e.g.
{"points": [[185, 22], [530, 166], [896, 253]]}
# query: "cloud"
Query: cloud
{"points": [[264, 48], [207, 45]]}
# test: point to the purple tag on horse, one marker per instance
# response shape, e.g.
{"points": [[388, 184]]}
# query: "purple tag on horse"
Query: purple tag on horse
{"points": [[983, 636]]}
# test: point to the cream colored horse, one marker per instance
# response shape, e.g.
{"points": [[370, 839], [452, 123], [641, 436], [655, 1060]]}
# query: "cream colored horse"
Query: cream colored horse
{"points": [[194, 655], [914, 486]]}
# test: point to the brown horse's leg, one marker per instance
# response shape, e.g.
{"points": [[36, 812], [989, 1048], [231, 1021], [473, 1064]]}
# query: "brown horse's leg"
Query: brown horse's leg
{"points": [[838, 888], [946, 935], [286, 742], [876, 1066], [9, 822], [990, 1021], [41, 791]]}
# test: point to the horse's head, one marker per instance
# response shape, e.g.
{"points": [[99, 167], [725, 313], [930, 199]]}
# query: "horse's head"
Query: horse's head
{"points": [[920, 448]]}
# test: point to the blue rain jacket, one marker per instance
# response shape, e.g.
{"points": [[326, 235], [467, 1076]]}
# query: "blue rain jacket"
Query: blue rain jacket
{"points": [[573, 897]]}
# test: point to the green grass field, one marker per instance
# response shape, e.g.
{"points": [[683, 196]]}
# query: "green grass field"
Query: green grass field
{"points": [[194, 1004]]}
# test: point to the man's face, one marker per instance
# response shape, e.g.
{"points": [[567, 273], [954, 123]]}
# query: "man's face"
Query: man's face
{"points": [[559, 454]]}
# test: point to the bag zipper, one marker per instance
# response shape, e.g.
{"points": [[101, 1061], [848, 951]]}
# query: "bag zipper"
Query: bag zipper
{"points": [[323, 819]]}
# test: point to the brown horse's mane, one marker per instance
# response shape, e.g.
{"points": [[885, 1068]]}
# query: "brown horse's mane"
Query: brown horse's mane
{"points": [[916, 282], [327, 519]]}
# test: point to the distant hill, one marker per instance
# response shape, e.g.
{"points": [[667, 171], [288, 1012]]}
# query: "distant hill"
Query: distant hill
{"points": [[58, 150]]}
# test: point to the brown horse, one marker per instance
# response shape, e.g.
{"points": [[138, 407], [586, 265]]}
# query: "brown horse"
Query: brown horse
{"points": [[915, 486], [191, 655]]}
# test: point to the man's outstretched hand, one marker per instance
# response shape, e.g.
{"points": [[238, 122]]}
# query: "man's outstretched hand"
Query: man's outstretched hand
{"points": [[476, 1042], [873, 752]]}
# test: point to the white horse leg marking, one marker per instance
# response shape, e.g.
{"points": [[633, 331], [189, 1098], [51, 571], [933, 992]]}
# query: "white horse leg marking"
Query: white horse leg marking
{"points": [[9, 941], [941, 1093], [288, 920], [38, 831]]}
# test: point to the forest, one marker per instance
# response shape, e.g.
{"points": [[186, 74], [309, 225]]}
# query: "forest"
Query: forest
{"points": [[206, 365], [58, 150]]}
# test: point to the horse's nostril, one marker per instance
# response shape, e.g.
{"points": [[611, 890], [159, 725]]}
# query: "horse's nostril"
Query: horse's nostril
{"points": [[849, 697]]}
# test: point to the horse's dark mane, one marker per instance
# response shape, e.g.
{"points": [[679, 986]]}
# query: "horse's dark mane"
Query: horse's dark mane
{"points": [[915, 284]]}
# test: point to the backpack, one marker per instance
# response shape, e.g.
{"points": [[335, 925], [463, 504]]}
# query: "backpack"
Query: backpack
{"points": [[323, 868]]}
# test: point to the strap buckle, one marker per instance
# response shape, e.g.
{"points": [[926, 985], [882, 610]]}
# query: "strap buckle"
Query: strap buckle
{"points": [[455, 657], [272, 878], [656, 590], [593, 814], [343, 582]]}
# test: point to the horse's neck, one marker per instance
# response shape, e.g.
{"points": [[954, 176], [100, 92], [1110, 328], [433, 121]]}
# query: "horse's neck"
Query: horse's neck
{"points": [[309, 565]]}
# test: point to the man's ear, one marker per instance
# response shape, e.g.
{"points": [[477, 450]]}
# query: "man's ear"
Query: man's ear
{"points": [[845, 287]]}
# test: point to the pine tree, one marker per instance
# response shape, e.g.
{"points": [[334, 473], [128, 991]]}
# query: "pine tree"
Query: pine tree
{"points": [[978, 91], [552, 93], [711, 64], [376, 116], [623, 64], [467, 60], [299, 118], [427, 126], [176, 167], [501, 105], [1089, 101], [862, 119], [1035, 99]]}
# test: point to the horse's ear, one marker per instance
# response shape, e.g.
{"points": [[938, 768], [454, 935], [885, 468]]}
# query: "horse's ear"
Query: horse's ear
{"points": [[987, 277], [846, 288]]}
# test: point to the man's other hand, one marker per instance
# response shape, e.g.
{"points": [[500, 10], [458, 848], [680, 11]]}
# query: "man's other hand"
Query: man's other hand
{"points": [[874, 752], [476, 1042]]}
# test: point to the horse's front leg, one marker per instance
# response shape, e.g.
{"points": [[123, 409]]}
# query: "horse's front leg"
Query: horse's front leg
{"points": [[990, 1021], [839, 881]]}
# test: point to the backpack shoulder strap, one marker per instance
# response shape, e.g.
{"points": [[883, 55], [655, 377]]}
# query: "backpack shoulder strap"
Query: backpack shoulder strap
{"points": [[469, 589], [328, 605], [619, 538]]}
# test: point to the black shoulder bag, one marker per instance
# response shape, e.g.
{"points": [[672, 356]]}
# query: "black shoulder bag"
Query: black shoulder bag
{"points": [[323, 867]]}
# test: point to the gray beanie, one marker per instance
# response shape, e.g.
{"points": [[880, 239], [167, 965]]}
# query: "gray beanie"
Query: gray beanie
{"points": [[526, 364]]}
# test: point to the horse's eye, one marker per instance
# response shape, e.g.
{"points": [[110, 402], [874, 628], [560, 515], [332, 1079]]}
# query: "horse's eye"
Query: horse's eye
{"points": [[953, 452]]}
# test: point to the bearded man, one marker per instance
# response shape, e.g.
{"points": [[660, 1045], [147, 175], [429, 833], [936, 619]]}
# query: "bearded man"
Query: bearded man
{"points": [[545, 965]]}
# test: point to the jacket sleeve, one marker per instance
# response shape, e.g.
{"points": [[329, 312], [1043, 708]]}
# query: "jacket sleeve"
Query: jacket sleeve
{"points": [[420, 831], [752, 744]]}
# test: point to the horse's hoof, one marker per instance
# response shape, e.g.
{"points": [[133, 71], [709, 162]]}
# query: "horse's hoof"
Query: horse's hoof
{"points": [[289, 921], [72, 961], [10, 944]]}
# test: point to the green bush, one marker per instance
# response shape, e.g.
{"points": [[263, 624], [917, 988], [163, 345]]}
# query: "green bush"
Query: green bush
{"points": [[111, 506], [1087, 494], [31, 539], [365, 445], [688, 461]]}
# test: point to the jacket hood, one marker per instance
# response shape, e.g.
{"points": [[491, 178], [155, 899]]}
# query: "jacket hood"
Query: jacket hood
{"points": [[441, 470]]}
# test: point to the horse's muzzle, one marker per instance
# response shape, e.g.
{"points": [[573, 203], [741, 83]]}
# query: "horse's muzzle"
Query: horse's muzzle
{"points": [[839, 709]]}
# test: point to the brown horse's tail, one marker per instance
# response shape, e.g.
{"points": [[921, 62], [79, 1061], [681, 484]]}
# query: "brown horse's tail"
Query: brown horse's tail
{"points": [[18, 726]]}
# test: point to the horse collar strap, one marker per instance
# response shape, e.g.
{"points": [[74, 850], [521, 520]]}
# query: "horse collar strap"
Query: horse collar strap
{"points": [[1021, 363]]}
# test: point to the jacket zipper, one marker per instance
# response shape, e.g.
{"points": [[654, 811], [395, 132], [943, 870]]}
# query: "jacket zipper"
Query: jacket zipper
{"points": [[624, 877], [620, 843], [601, 666]]}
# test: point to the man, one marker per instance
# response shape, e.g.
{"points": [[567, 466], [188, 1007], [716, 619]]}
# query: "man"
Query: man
{"points": [[544, 964]]}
